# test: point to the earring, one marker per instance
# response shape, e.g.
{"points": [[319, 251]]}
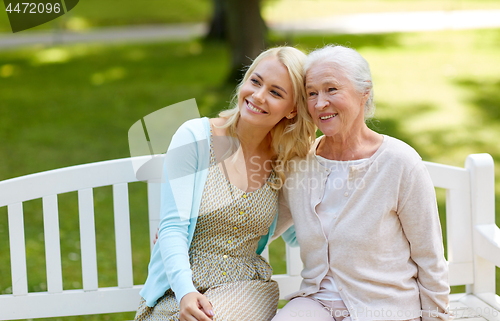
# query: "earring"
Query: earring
{"points": [[290, 116]]}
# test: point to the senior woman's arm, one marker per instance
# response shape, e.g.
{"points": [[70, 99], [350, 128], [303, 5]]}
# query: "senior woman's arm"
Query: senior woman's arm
{"points": [[417, 210]]}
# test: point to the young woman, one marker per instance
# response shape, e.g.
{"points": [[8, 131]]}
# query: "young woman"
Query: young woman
{"points": [[220, 199]]}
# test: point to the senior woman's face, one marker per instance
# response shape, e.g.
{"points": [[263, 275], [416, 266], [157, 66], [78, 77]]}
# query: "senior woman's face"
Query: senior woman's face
{"points": [[334, 104]]}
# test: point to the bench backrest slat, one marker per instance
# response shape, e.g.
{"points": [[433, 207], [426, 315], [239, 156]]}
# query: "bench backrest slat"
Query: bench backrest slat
{"points": [[69, 179], [122, 236], [17, 249], [459, 237], [52, 244], [456, 181], [482, 171], [87, 239], [293, 262], [449, 177], [154, 200]]}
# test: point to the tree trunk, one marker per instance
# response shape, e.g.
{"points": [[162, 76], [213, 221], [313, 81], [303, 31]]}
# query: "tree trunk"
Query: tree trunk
{"points": [[217, 29], [246, 34]]}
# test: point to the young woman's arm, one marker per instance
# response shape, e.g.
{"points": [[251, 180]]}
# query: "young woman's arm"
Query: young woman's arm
{"points": [[185, 166]]}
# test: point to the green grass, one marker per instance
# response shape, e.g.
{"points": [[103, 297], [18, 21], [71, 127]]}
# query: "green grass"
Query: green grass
{"points": [[69, 105], [78, 108], [95, 13]]}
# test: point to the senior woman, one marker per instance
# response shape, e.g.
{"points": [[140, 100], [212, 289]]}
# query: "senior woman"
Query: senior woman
{"points": [[364, 209]]}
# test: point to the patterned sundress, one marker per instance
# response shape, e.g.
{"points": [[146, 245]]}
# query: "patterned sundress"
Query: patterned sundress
{"points": [[223, 256]]}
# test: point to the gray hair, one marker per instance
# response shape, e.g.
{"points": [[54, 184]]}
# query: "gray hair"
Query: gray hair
{"points": [[354, 67]]}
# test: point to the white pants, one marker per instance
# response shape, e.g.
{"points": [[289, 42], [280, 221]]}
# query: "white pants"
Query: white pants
{"points": [[306, 308]]}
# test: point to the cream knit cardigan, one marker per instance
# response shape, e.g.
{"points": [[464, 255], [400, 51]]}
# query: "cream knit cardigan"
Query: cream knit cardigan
{"points": [[385, 245]]}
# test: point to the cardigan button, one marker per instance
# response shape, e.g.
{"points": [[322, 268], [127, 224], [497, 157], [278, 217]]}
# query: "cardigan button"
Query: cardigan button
{"points": [[340, 288]]}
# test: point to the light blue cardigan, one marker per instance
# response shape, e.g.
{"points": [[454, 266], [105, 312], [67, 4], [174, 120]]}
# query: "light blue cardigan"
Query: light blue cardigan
{"points": [[185, 170]]}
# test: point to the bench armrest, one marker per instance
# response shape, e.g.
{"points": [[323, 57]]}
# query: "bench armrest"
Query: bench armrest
{"points": [[487, 242]]}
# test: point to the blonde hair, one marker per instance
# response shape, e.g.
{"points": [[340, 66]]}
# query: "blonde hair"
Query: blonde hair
{"points": [[290, 137]]}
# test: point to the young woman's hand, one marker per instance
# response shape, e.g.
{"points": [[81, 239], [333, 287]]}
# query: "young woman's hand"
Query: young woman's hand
{"points": [[195, 306]]}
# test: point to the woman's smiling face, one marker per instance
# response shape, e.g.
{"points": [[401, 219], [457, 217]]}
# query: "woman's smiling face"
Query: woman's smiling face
{"points": [[333, 102], [267, 95]]}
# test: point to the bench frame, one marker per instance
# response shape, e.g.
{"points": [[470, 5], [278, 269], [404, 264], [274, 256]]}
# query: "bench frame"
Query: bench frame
{"points": [[473, 239]]}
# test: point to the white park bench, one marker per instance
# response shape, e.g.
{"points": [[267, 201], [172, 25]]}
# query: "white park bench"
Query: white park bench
{"points": [[473, 240]]}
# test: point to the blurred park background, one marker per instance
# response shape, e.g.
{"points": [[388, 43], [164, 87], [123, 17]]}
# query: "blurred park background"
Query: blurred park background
{"points": [[70, 104]]}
